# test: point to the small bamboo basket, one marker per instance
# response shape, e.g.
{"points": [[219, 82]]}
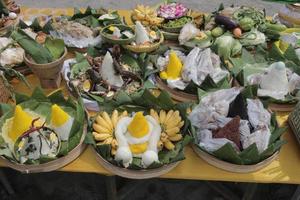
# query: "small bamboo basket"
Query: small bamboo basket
{"points": [[5, 94]]}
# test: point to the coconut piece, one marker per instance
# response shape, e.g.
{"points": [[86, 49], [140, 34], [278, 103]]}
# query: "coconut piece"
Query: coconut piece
{"points": [[141, 34], [108, 72], [231, 131], [12, 56]]}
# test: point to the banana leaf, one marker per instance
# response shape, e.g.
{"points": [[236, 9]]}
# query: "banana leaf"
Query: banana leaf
{"points": [[144, 101], [39, 54], [251, 63], [41, 104], [250, 155]]}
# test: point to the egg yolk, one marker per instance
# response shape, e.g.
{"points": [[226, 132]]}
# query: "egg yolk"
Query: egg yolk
{"points": [[173, 69], [21, 123], [58, 116], [138, 148], [139, 126]]}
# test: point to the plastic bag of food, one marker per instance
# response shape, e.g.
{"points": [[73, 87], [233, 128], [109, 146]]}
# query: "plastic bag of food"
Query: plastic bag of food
{"points": [[188, 32]]}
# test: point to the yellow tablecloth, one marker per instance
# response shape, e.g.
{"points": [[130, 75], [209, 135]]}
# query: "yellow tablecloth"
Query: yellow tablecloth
{"points": [[283, 170]]}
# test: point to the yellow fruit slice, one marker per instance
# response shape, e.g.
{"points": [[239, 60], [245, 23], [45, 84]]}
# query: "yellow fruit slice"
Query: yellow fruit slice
{"points": [[138, 148]]}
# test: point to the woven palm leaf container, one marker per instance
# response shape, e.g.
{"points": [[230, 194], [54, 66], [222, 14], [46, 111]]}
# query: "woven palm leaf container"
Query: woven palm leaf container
{"points": [[5, 94]]}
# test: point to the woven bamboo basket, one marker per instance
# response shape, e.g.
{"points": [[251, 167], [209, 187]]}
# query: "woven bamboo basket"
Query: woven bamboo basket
{"points": [[145, 49], [233, 167], [52, 165], [49, 73], [5, 94], [175, 94], [135, 174]]}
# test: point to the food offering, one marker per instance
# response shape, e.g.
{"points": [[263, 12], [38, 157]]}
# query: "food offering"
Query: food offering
{"points": [[9, 11], [42, 133], [118, 34], [237, 27], [175, 16], [101, 74], [274, 72], [141, 137], [185, 74], [146, 40], [83, 29], [147, 15], [190, 36], [44, 59], [234, 131]]}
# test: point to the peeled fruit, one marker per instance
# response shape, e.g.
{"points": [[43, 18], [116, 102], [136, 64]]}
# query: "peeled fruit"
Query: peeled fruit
{"points": [[173, 69]]}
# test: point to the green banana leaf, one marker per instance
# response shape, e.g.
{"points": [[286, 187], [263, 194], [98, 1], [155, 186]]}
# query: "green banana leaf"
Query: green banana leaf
{"points": [[39, 54], [41, 104], [251, 63], [55, 46], [144, 101], [251, 155]]}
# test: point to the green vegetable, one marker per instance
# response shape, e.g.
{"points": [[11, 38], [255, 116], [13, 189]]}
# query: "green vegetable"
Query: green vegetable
{"points": [[217, 32], [254, 37], [55, 46], [246, 24], [178, 22], [226, 46], [276, 27], [257, 16], [39, 54]]}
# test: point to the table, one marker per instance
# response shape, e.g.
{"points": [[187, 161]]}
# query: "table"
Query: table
{"points": [[283, 170]]}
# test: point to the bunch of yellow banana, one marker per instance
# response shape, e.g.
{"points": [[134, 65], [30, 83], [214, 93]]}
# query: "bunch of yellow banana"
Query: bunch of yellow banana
{"points": [[146, 15], [104, 128], [171, 123]]}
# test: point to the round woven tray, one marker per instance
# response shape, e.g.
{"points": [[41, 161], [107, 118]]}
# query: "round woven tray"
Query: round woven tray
{"points": [[145, 49], [233, 167], [52, 165], [175, 94], [135, 174]]}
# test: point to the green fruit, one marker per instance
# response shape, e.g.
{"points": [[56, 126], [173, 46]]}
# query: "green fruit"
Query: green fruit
{"points": [[217, 32], [246, 24]]}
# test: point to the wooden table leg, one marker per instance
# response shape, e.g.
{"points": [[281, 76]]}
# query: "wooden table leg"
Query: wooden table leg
{"points": [[111, 187], [6, 184], [296, 195]]}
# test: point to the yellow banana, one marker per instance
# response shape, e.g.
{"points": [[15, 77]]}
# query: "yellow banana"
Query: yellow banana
{"points": [[114, 143], [101, 137], [162, 116], [101, 129], [172, 131], [113, 152], [169, 145], [108, 140], [114, 118], [100, 121], [160, 144], [108, 120], [180, 125], [163, 136], [124, 114], [169, 116], [154, 114], [175, 138]]}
